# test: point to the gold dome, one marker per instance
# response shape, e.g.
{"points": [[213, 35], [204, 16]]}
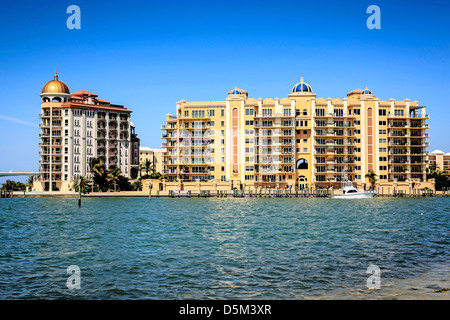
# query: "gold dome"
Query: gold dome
{"points": [[55, 86]]}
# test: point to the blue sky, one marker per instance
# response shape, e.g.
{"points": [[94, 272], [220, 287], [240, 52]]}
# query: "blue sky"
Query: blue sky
{"points": [[147, 55]]}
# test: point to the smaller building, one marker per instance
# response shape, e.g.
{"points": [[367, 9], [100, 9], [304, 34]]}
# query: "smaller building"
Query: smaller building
{"points": [[154, 155], [441, 159]]}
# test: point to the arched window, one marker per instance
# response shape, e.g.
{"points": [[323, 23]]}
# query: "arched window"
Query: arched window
{"points": [[45, 99], [302, 164], [302, 178], [56, 99], [305, 112]]}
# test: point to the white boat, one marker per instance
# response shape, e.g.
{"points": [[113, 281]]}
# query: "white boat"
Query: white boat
{"points": [[350, 192]]}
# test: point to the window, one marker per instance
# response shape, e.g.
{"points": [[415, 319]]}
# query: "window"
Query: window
{"points": [[287, 112], [302, 164], [382, 123], [249, 112], [383, 168], [222, 123], [382, 112], [198, 113], [267, 112], [320, 112], [211, 113], [222, 112], [382, 140], [382, 131], [356, 111], [398, 112], [223, 178], [305, 112], [338, 112], [249, 122], [383, 150]]}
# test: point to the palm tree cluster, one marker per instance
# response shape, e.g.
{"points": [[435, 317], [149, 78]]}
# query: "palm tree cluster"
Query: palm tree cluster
{"points": [[441, 178], [148, 166], [11, 185], [112, 180], [104, 180]]}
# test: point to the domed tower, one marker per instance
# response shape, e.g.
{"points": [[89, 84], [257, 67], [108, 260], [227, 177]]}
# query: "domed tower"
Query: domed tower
{"points": [[54, 94], [55, 91], [301, 89]]}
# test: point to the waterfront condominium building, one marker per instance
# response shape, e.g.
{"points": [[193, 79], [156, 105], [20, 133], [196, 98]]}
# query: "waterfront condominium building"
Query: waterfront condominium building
{"points": [[77, 127], [300, 140], [441, 160]]}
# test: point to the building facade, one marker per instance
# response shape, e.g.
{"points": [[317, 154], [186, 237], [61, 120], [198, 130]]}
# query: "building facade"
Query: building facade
{"points": [[77, 127], [154, 155], [299, 141], [440, 159]]}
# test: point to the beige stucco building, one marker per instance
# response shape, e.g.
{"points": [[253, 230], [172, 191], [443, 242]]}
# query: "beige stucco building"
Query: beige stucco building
{"points": [[441, 159], [154, 155], [299, 140]]}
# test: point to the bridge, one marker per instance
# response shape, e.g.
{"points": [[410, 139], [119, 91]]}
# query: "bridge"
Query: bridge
{"points": [[16, 174]]}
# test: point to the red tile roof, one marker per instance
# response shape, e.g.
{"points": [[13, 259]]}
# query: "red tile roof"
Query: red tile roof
{"points": [[84, 92], [94, 106]]}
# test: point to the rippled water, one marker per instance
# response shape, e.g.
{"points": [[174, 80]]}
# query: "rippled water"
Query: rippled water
{"points": [[133, 248]]}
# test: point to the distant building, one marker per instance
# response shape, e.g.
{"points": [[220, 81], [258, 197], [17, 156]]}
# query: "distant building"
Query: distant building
{"points": [[441, 159], [154, 155], [77, 127]]}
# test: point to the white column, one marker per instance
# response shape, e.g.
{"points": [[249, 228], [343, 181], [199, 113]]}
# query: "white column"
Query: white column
{"points": [[363, 141], [376, 135], [83, 143], [242, 141], [228, 141], [329, 107]]}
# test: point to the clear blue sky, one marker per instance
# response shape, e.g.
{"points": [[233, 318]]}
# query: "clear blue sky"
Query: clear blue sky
{"points": [[147, 55]]}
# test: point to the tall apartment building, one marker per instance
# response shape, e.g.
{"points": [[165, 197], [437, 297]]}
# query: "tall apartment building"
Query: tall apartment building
{"points": [[298, 141], [77, 127]]}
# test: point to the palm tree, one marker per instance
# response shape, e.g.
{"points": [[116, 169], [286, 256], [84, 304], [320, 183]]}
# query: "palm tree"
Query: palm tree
{"points": [[146, 165], [85, 184], [30, 182], [98, 172], [372, 178], [114, 176]]}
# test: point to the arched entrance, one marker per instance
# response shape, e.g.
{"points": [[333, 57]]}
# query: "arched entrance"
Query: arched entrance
{"points": [[302, 182]]}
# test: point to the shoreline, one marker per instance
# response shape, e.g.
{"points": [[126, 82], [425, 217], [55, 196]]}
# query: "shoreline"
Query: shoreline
{"points": [[211, 194]]}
